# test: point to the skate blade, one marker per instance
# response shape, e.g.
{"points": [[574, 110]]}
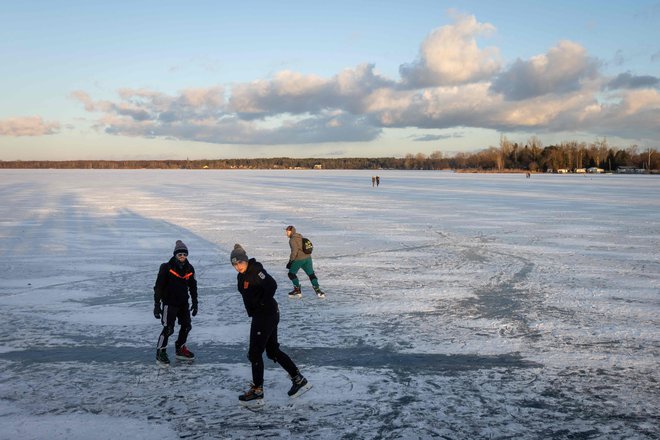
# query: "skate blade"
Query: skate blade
{"points": [[182, 358], [302, 391], [254, 405], [162, 364], [295, 296]]}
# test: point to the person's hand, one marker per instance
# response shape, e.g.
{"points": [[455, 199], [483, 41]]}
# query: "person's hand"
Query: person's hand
{"points": [[157, 311], [288, 265], [193, 309]]}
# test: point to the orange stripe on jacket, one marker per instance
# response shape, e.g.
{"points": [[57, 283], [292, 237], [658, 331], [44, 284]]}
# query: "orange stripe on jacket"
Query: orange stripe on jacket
{"points": [[185, 277]]}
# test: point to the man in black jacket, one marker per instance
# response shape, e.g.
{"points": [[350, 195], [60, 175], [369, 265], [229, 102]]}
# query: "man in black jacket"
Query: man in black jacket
{"points": [[176, 280], [258, 288]]}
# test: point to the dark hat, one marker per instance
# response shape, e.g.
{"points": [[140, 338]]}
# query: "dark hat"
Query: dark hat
{"points": [[180, 247], [238, 254]]}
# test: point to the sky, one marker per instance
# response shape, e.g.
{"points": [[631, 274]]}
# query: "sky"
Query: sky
{"points": [[207, 79]]}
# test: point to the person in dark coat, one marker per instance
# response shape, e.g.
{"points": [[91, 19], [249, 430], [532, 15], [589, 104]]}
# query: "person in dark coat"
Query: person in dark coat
{"points": [[174, 284], [258, 288]]}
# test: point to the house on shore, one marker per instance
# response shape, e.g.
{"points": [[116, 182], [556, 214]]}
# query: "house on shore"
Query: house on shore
{"points": [[630, 170]]}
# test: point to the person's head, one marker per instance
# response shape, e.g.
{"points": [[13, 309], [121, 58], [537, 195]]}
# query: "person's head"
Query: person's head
{"points": [[180, 251], [239, 258], [290, 230]]}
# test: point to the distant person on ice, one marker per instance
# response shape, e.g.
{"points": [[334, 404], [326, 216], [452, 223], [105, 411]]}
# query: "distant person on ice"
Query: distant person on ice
{"points": [[176, 279], [298, 259], [373, 181], [377, 180], [258, 288]]}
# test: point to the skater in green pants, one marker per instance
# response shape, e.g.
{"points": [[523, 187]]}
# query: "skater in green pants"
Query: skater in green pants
{"points": [[298, 259]]}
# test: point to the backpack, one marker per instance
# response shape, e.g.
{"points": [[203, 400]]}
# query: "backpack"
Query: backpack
{"points": [[307, 247]]}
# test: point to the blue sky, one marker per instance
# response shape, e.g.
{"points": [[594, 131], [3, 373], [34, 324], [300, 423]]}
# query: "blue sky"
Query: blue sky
{"points": [[215, 79]]}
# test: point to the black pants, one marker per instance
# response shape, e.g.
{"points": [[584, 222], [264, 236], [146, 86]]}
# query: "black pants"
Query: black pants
{"points": [[169, 316], [263, 336]]}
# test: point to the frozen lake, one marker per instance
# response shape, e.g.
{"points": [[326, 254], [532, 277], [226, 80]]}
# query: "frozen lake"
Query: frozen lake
{"points": [[459, 306]]}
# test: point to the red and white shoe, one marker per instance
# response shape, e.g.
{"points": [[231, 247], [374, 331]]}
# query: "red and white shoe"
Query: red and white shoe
{"points": [[184, 354]]}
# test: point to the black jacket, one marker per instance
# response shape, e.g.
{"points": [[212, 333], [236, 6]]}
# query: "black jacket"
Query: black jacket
{"points": [[257, 288], [174, 282]]}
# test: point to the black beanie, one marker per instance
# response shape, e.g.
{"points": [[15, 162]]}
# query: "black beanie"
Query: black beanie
{"points": [[238, 254], [180, 247]]}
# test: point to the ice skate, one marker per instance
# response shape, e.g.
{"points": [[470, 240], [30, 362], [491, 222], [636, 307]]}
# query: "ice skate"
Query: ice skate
{"points": [[254, 397], [319, 292], [295, 293], [182, 353], [299, 386], [161, 358]]}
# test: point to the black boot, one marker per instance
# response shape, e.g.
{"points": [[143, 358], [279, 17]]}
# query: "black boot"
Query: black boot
{"points": [[298, 386], [161, 357], [296, 292]]}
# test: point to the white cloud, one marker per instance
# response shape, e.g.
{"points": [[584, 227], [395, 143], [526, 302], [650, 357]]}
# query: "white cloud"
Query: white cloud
{"points": [[450, 56], [561, 70], [287, 92], [148, 114], [628, 113], [28, 126], [295, 93], [453, 84]]}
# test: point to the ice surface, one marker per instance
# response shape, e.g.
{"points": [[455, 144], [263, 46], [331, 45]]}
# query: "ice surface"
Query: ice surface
{"points": [[458, 305]]}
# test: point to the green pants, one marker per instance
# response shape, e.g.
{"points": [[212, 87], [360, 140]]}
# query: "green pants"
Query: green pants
{"points": [[307, 266]]}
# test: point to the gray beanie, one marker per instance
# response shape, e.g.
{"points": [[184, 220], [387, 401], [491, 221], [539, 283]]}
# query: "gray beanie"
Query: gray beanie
{"points": [[238, 254], [180, 247]]}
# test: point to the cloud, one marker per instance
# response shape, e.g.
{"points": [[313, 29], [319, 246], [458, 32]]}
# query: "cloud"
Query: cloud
{"points": [[201, 115], [290, 92], [442, 107], [450, 56], [453, 84], [561, 70], [473, 106], [629, 81], [28, 126], [433, 137], [291, 108], [626, 113], [149, 105]]}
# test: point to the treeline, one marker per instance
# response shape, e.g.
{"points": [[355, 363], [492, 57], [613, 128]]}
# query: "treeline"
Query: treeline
{"points": [[261, 163], [572, 155], [531, 156]]}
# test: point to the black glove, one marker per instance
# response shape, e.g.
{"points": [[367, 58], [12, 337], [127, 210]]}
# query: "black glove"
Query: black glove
{"points": [[157, 311], [193, 309], [288, 265]]}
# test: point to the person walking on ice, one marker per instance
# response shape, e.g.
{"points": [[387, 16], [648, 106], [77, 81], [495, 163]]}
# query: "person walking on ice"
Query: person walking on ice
{"points": [[299, 259], [175, 281], [258, 288]]}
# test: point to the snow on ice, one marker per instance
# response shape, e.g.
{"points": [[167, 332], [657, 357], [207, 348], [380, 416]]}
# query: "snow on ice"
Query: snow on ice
{"points": [[458, 305]]}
